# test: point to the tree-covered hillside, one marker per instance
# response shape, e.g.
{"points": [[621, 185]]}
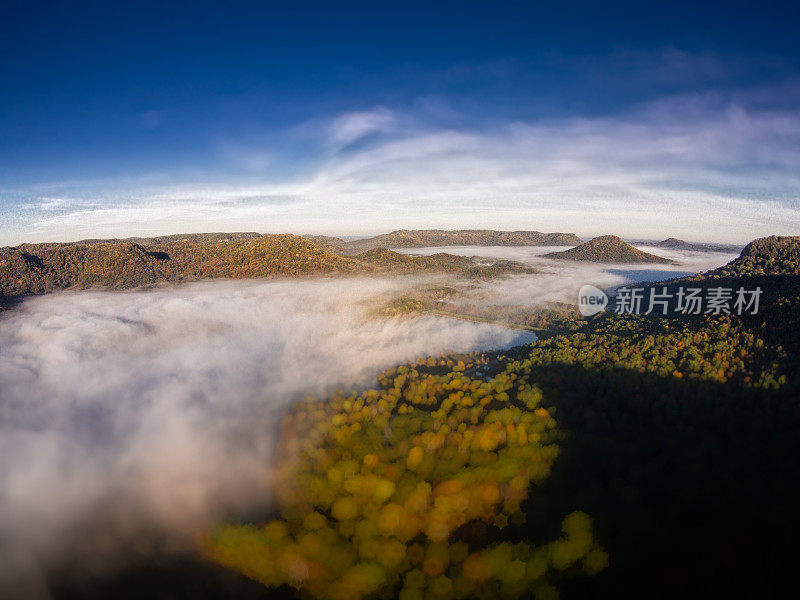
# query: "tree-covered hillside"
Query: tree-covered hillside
{"points": [[415, 489], [608, 249], [774, 255], [40, 268], [116, 264], [390, 260]]}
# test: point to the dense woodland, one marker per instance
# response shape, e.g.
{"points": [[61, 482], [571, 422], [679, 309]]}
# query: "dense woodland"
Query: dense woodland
{"points": [[410, 487]]}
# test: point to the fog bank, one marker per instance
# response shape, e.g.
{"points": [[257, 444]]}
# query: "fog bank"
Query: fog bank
{"points": [[130, 421], [560, 280]]}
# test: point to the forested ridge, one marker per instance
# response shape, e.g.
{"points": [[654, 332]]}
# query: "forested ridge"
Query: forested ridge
{"points": [[472, 267], [41, 268], [774, 255], [117, 264]]}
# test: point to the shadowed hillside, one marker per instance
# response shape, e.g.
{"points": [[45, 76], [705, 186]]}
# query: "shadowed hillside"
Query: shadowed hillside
{"points": [[608, 249]]}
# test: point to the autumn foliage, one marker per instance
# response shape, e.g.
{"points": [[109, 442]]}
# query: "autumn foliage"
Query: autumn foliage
{"points": [[406, 486]]}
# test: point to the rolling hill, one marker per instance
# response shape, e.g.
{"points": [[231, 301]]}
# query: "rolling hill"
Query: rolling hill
{"points": [[41, 268], [608, 249]]}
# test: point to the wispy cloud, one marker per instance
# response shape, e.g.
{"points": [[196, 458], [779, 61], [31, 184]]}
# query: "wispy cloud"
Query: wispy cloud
{"points": [[719, 165], [350, 127], [250, 159]]}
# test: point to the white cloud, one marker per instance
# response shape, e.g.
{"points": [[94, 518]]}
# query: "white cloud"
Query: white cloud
{"points": [[353, 126], [253, 160], [690, 166]]}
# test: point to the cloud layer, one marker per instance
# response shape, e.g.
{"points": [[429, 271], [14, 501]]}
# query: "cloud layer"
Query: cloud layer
{"points": [[692, 167], [696, 146], [559, 281]]}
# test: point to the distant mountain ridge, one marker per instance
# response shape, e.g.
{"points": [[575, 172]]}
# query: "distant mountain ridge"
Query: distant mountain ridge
{"points": [[181, 237], [676, 244], [420, 238], [423, 238], [608, 249]]}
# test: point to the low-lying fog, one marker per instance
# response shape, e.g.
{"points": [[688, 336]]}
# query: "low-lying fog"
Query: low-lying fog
{"points": [[560, 280], [142, 417], [155, 412]]}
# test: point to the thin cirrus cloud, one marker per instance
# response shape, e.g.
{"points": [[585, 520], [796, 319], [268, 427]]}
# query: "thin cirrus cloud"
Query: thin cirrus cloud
{"points": [[350, 127], [712, 166]]}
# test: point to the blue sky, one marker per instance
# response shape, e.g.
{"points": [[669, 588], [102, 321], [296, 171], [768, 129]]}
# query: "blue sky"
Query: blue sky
{"points": [[643, 119]]}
